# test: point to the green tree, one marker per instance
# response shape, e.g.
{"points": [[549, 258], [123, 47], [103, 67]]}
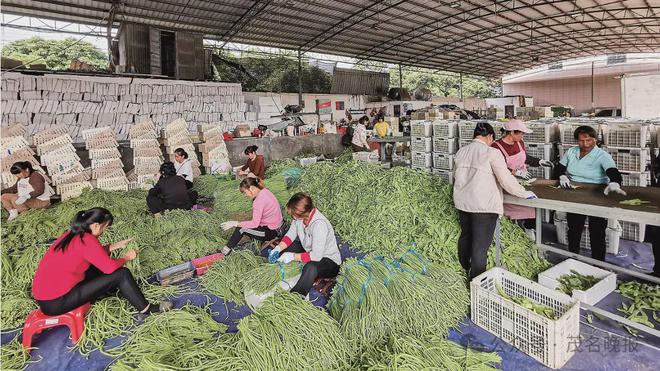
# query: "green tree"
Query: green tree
{"points": [[445, 84], [55, 54]]}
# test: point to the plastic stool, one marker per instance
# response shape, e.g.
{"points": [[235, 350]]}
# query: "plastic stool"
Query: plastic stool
{"points": [[37, 321]]}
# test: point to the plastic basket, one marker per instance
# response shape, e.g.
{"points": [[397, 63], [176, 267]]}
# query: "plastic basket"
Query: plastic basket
{"points": [[611, 237], [48, 134], [54, 143], [542, 133], [446, 175], [636, 179], [13, 130], [64, 166], [109, 162], [146, 161], [547, 341], [145, 143], [65, 153], [176, 274], [421, 128], [445, 129], [567, 131], [422, 159], [634, 160], [464, 142], [445, 145], [147, 152], [303, 161], [75, 176], [203, 264], [633, 231], [466, 129], [107, 172], [97, 132], [422, 168], [540, 172], [104, 153], [113, 184], [136, 185], [442, 161], [101, 142], [596, 293], [71, 190], [627, 135], [421, 144], [366, 157], [543, 151], [23, 154], [13, 144], [175, 126]]}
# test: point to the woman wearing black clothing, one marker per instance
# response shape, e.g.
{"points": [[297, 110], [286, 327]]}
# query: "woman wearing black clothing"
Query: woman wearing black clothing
{"points": [[169, 193]]}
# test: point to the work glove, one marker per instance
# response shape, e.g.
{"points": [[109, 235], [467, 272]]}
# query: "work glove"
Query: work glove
{"points": [[21, 200], [229, 225], [273, 255], [614, 187], [522, 173], [564, 182], [531, 196], [546, 163], [287, 257]]}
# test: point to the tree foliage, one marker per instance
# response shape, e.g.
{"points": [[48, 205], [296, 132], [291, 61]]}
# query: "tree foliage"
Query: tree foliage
{"points": [[445, 84], [55, 54], [272, 73]]}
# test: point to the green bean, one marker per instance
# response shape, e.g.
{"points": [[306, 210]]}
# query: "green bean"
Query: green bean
{"points": [[14, 356], [223, 278]]}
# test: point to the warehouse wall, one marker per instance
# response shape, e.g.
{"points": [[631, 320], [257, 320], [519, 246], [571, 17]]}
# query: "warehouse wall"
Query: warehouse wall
{"points": [[350, 101], [574, 92]]}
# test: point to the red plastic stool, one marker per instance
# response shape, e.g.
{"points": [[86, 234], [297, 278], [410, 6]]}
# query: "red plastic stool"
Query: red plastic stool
{"points": [[37, 321]]}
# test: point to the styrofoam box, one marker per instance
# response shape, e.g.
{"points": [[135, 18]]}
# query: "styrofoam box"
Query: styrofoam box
{"points": [[421, 128], [445, 129], [445, 145], [545, 340], [446, 175], [422, 159], [636, 179], [543, 151], [421, 144], [443, 161], [607, 283], [612, 236]]}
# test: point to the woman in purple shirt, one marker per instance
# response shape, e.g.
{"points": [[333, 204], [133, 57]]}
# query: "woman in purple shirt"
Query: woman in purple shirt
{"points": [[266, 215]]}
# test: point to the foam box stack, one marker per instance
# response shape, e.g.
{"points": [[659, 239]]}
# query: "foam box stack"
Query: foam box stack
{"points": [[262, 109]]}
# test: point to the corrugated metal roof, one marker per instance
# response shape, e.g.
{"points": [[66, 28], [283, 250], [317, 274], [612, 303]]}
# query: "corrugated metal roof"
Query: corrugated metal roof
{"points": [[482, 37]]}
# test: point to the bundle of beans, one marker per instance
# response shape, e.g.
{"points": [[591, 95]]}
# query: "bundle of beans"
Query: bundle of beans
{"points": [[277, 166], [14, 356], [223, 278], [17, 273], [265, 277], [412, 208]]}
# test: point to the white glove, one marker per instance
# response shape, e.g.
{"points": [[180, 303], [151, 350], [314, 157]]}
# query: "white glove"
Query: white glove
{"points": [[287, 257], [564, 182], [546, 163], [522, 173], [614, 187], [21, 200], [229, 225], [531, 196]]}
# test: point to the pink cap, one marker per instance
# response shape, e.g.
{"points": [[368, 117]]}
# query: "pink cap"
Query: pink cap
{"points": [[516, 125]]}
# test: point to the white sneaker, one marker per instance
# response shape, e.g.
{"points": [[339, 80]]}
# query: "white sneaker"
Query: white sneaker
{"points": [[531, 233], [13, 214]]}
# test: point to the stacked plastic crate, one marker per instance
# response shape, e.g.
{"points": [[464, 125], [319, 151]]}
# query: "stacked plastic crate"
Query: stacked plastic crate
{"points": [[421, 143], [107, 166], [215, 156], [567, 130], [14, 149], [466, 131], [147, 155], [176, 135], [445, 145], [628, 143], [541, 143]]}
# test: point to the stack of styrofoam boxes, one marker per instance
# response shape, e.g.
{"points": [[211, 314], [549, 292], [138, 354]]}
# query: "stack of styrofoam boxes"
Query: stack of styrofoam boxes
{"points": [[215, 156], [107, 167], [87, 102], [176, 135], [147, 155], [421, 144], [628, 142], [612, 233], [262, 108], [541, 144], [445, 145]]}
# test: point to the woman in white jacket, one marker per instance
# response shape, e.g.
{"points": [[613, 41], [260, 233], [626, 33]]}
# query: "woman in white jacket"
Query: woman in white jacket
{"points": [[480, 175], [31, 190]]}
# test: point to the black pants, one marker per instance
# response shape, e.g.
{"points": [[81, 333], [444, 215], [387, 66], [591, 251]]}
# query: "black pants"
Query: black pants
{"points": [[157, 205], [325, 268], [525, 223], [357, 148], [653, 236], [96, 285], [597, 228], [192, 195], [261, 233], [477, 231]]}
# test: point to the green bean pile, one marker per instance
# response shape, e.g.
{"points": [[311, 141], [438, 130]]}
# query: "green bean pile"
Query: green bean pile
{"points": [[224, 277], [644, 300], [388, 211], [265, 277], [14, 356], [207, 185], [433, 353], [178, 339], [18, 270], [278, 166]]}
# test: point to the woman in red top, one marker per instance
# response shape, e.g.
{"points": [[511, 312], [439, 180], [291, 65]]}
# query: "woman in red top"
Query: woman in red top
{"points": [[77, 269], [255, 166]]}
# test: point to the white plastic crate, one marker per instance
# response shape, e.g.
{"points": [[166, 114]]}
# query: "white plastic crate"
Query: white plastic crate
{"points": [[567, 131], [71, 190], [422, 168], [627, 135], [101, 142], [97, 132], [611, 236], [443, 161], [464, 142], [422, 159], [445, 145], [104, 153], [562, 148], [636, 179], [547, 341], [543, 151], [421, 144], [596, 293], [308, 161], [445, 129], [108, 172], [466, 129], [48, 134], [54, 143], [630, 159], [116, 162], [145, 143], [632, 231], [421, 128], [75, 176], [56, 155], [64, 165], [113, 184], [366, 157], [446, 175], [542, 133], [539, 172]]}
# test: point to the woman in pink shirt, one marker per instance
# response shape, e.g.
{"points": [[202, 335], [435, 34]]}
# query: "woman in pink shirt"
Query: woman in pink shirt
{"points": [[77, 269], [266, 215]]}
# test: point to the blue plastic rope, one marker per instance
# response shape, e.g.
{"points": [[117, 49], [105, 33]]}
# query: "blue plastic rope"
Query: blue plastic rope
{"points": [[366, 283], [281, 270]]}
